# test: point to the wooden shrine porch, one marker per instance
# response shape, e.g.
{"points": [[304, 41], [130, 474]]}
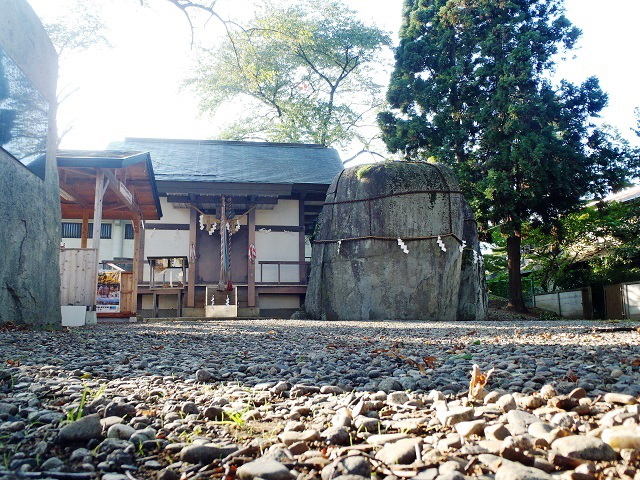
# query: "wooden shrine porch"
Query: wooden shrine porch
{"points": [[113, 185]]}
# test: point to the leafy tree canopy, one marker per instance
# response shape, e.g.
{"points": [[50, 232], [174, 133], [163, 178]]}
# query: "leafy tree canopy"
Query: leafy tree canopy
{"points": [[599, 244], [303, 71], [471, 87]]}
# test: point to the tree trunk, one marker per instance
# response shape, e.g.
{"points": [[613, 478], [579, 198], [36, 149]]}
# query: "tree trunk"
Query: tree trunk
{"points": [[516, 301]]}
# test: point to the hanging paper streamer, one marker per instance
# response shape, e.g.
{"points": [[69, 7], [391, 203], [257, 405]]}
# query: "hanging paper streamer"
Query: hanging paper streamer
{"points": [[475, 257], [237, 225], [441, 244], [464, 244], [207, 222], [339, 245], [227, 301], [212, 229], [402, 246]]}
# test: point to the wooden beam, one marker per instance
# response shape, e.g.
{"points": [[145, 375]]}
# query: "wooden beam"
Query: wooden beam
{"points": [[122, 192], [168, 226], [251, 267], [85, 229], [301, 249], [281, 228], [72, 195], [283, 289], [191, 282], [237, 199], [136, 220], [139, 244], [101, 186], [224, 188]]}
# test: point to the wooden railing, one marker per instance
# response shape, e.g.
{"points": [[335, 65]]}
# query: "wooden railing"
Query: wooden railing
{"points": [[303, 274]]}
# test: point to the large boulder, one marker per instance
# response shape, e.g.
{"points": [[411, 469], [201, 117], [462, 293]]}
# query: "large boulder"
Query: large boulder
{"points": [[359, 269], [472, 299]]}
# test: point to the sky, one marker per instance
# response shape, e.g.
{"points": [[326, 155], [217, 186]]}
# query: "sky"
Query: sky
{"points": [[135, 88]]}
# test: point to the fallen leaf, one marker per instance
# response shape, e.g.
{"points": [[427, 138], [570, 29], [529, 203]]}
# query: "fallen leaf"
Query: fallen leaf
{"points": [[478, 382], [159, 347], [571, 376], [430, 362]]}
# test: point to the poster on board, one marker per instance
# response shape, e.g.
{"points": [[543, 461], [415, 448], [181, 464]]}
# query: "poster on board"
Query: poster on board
{"points": [[108, 291]]}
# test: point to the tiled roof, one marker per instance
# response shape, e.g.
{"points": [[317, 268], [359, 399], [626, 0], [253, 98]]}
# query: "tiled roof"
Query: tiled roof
{"points": [[241, 162]]}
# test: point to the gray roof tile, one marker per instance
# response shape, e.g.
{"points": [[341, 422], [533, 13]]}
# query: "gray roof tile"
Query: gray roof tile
{"points": [[242, 162]]}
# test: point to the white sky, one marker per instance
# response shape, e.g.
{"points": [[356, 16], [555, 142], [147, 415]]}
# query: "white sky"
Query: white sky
{"points": [[133, 89]]}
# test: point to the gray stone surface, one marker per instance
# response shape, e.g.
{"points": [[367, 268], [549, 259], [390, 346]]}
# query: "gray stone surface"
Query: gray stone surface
{"points": [[586, 448], [516, 471], [29, 206], [267, 469], [406, 435], [83, 430], [365, 278], [473, 301]]}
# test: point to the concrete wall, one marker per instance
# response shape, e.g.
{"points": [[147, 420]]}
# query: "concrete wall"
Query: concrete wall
{"points": [[163, 243], [280, 246], [566, 304], [30, 206]]}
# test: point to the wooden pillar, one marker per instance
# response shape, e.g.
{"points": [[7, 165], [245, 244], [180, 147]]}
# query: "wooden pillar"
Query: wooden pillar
{"points": [[85, 228], [139, 245], [97, 210], [301, 244], [101, 186], [137, 233], [191, 281], [251, 266]]}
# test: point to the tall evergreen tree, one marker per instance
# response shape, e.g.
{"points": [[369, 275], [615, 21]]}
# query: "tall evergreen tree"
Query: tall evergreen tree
{"points": [[471, 88]]}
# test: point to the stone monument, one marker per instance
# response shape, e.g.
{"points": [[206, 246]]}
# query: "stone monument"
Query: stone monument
{"points": [[396, 240], [29, 186]]}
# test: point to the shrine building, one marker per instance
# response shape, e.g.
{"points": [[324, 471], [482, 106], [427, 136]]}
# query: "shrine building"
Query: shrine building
{"points": [[232, 239]]}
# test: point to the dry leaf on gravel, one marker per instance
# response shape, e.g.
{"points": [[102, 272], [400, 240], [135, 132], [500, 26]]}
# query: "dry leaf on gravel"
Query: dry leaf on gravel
{"points": [[478, 382]]}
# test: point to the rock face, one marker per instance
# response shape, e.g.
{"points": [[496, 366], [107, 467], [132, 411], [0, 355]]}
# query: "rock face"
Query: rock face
{"points": [[376, 253], [473, 302], [29, 204]]}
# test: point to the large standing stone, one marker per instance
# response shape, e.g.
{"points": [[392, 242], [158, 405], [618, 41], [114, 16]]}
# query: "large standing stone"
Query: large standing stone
{"points": [[473, 301], [359, 271], [30, 200]]}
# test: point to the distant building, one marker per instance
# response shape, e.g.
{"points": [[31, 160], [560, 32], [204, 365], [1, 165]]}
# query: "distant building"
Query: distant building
{"points": [[273, 193]]}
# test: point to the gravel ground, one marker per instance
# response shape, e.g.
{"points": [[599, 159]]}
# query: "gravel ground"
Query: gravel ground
{"points": [[277, 399]]}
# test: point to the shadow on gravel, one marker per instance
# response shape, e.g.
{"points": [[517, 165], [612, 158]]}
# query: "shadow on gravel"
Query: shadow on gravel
{"points": [[418, 355]]}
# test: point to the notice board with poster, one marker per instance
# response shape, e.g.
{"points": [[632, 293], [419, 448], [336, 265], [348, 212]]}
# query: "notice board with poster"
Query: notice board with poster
{"points": [[109, 287]]}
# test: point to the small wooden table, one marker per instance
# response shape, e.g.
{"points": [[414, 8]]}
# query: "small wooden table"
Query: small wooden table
{"points": [[160, 287]]}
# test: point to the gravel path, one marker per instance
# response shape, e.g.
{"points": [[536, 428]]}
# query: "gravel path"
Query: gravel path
{"points": [[278, 400]]}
